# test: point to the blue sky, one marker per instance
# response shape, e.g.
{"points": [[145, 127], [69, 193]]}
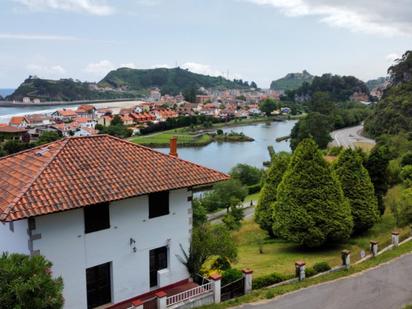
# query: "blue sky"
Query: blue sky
{"points": [[257, 40]]}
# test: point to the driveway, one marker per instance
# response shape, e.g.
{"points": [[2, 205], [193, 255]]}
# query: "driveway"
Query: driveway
{"points": [[385, 287], [347, 137]]}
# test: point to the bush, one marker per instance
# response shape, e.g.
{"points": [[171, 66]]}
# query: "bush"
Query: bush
{"points": [[264, 281], [27, 282], [254, 189], [231, 275], [406, 159], [406, 175], [310, 272], [214, 263], [321, 267]]}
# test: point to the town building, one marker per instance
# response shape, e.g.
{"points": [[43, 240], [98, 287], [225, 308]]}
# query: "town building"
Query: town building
{"points": [[111, 216]]}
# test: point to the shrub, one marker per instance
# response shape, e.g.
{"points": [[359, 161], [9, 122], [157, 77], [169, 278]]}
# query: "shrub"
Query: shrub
{"points": [[231, 275], [321, 267], [310, 272], [406, 175], [214, 263], [406, 159], [27, 282], [263, 281], [254, 188], [269, 294]]}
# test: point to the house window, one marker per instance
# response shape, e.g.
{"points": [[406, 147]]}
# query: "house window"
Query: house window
{"points": [[158, 261], [98, 285], [96, 217], [158, 204]]}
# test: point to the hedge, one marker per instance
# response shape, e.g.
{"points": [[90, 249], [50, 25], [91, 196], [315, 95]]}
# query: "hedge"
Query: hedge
{"points": [[254, 188], [263, 281]]}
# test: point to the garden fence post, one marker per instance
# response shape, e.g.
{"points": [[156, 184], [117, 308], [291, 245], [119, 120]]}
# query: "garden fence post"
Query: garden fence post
{"points": [[346, 258], [300, 270], [395, 238], [161, 300], [374, 247], [247, 277], [217, 285]]}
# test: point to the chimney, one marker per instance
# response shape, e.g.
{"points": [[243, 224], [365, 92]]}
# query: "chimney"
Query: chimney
{"points": [[173, 146]]}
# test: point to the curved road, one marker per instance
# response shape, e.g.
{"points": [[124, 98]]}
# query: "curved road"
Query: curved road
{"points": [[347, 137], [388, 286]]}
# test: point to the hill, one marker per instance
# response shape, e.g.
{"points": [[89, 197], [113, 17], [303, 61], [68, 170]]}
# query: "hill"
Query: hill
{"points": [[170, 81], [339, 88], [393, 113], [6, 91], [62, 90], [292, 81], [376, 83]]}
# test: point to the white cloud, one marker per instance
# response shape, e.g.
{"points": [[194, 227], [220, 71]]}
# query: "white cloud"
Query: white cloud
{"points": [[160, 66], [93, 7], [367, 16], [200, 68], [101, 67], [46, 71], [44, 37], [392, 57]]}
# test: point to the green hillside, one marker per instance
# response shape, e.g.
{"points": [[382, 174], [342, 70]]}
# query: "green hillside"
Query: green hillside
{"points": [[62, 90], [291, 81], [393, 113], [170, 81], [375, 83]]}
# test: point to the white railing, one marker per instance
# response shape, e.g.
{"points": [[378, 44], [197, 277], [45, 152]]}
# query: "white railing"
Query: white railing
{"points": [[189, 294]]}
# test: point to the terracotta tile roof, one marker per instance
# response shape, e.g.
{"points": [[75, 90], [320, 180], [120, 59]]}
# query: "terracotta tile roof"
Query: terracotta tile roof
{"points": [[85, 108], [80, 171], [10, 129], [66, 113], [17, 120]]}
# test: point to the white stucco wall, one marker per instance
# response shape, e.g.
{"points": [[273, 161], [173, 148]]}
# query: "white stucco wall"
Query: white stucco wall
{"points": [[64, 242], [15, 239]]}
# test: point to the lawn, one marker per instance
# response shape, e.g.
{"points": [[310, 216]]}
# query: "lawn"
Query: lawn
{"points": [[280, 256], [367, 147], [184, 138]]}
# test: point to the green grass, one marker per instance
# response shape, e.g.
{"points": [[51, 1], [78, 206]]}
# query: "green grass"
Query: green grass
{"points": [[266, 293], [279, 256], [184, 138], [252, 197]]}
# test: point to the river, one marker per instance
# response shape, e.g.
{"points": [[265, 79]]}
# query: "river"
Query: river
{"points": [[223, 156]]}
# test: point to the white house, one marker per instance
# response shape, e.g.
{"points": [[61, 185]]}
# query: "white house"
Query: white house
{"points": [[110, 215]]}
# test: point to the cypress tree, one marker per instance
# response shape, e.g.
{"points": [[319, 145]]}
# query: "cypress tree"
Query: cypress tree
{"points": [[264, 211], [358, 189], [311, 209]]}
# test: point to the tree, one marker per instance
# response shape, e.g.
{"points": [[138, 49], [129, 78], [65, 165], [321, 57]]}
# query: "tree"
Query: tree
{"points": [[208, 240], [377, 166], [264, 208], [199, 213], [27, 282], [314, 125], [322, 103], [117, 121], [268, 106], [406, 175], [190, 94], [358, 189], [48, 137], [14, 146], [248, 175], [223, 193], [405, 207], [234, 216], [253, 85], [311, 209], [406, 159]]}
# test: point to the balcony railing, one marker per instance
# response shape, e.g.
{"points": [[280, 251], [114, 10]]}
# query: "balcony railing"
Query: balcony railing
{"points": [[189, 294]]}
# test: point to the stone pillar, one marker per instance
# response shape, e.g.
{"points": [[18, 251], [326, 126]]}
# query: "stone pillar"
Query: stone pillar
{"points": [[300, 270], [137, 304], [216, 285], [346, 258], [247, 276], [374, 247], [161, 300], [395, 238]]}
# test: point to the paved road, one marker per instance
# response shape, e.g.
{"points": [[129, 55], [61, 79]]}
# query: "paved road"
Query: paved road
{"points": [[387, 287], [348, 136], [248, 212]]}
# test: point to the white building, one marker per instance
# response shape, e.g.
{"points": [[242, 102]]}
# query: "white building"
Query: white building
{"points": [[110, 215]]}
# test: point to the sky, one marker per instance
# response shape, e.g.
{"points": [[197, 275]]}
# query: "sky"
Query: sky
{"points": [[258, 40]]}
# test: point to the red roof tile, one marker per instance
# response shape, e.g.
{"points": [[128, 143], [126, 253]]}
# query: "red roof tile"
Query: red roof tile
{"points": [[80, 171]]}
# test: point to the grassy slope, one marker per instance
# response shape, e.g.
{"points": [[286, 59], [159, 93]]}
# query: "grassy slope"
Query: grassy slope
{"points": [[279, 256]]}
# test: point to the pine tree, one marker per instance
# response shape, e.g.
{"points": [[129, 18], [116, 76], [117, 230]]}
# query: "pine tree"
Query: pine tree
{"points": [[264, 211], [358, 189], [377, 166], [311, 209]]}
